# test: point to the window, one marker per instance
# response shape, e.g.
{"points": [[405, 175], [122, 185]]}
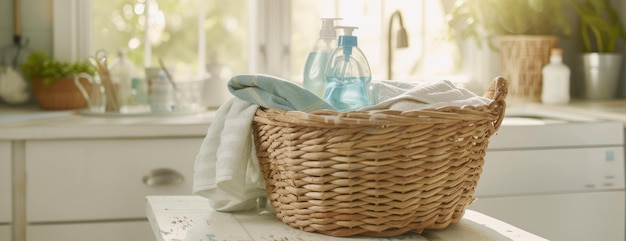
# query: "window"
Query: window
{"points": [[264, 36], [429, 55], [185, 34]]}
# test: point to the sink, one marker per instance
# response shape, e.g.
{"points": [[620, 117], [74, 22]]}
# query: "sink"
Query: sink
{"points": [[526, 120], [537, 116]]}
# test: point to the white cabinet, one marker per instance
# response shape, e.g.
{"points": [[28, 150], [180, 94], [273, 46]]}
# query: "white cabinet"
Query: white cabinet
{"points": [[5, 190], [83, 189], [106, 231]]}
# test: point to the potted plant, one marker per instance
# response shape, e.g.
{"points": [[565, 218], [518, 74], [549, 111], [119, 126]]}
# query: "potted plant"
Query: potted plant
{"points": [[600, 29], [53, 81], [523, 31]]}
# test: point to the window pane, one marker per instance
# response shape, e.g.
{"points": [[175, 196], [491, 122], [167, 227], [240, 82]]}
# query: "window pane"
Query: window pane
{"points": [[173, 30], [429, 55], [169, 29], [226, 26]]}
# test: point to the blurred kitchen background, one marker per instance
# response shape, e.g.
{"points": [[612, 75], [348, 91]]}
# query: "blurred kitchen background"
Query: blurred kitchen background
{"points": [[88, 177]]}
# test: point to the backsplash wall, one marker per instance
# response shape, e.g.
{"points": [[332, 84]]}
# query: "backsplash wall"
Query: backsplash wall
{"points": [[36, 24]]}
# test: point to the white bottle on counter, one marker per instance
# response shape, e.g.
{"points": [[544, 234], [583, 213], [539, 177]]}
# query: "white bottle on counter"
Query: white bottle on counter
{"points": [[162, 96], [556, 80], [122, 71]]}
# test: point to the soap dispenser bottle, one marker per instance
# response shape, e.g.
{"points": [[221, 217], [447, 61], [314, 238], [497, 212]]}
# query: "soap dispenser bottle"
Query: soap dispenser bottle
{"points": [[348, 75], [317, 60]]}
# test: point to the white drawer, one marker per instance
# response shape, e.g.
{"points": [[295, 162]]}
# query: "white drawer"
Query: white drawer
{"points": [[5, 232], [75, 180], [108, 231], [5, 182]]}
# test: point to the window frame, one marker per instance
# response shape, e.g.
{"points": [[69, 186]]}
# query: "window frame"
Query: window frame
{"points": [[71, 29]]}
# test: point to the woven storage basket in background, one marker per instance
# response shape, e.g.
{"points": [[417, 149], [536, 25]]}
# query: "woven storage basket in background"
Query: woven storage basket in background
{"points": [[523, 58], [375, 174]]}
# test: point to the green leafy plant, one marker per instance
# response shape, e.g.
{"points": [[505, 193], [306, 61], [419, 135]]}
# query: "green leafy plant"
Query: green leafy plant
{"points": [[483, 20], [39, 65], [600, 25]]}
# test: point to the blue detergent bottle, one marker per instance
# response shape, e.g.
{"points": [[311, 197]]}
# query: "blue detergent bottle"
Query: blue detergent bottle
{"points": [[317, 60], [348, 75]]}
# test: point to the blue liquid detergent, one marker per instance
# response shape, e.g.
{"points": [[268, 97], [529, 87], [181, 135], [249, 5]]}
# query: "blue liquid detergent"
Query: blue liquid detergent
{"points": [[349, 93]]}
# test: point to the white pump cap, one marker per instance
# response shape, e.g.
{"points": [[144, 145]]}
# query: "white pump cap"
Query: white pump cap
{"points": [[328, 28], [347, 30]]}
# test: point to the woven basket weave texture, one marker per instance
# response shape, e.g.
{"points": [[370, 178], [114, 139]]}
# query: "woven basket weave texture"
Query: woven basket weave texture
{"points": [[523, 58], [375, 173]]}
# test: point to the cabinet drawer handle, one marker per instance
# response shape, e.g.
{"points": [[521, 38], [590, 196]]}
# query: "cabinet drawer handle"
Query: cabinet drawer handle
{"points": [[162, 177]]}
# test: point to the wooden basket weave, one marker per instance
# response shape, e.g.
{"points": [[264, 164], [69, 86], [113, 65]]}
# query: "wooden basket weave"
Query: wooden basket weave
{"points": [[375, 173], [523, 57]]}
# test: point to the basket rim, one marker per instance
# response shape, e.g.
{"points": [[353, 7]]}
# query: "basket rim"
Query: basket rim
{"points": [[497, 91]]}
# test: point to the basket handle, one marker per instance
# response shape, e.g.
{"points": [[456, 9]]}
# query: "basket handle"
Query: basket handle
{"points": [[497, 91]]}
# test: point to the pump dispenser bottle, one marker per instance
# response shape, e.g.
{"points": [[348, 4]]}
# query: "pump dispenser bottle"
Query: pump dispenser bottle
{"points": [[316, 62], [348, 75]]}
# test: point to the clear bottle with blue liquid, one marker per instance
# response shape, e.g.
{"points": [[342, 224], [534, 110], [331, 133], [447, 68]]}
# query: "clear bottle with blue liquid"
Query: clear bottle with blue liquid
{"points": [[317, 60], [348, 75]]}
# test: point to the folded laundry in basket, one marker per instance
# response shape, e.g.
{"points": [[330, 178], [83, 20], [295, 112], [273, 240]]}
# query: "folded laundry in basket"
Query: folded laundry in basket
{"points": [[404, 96], [272, 92], [226, 168]]}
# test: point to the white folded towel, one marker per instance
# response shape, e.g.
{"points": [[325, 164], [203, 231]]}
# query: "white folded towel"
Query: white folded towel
{"points": [[404, 96], [227, 170]]}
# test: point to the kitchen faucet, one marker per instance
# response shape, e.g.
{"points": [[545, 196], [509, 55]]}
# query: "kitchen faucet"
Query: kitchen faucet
{"points": [[401, 40]]}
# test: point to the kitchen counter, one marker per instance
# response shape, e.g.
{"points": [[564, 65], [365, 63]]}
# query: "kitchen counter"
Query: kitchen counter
{"points": [[32, 124], [182, 218]]}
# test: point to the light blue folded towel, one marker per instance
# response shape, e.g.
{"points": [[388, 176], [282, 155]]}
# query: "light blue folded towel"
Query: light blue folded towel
{"points": [[272, 92]]}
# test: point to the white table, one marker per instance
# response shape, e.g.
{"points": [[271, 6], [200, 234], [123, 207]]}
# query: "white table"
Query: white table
{"points": [[191, 218]]}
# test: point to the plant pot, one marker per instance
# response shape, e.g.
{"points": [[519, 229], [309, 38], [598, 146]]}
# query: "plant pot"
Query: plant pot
{"points": [[602, 72], [62, 94], [523, 57]]}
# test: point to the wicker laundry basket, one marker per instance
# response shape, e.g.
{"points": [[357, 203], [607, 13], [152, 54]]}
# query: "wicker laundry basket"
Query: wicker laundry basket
{"points": [[375, 173]]}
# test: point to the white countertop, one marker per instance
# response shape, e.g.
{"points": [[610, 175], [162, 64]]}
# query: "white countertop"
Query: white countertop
{"points": [[20, 123], [31, 123], [186, 218]]}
